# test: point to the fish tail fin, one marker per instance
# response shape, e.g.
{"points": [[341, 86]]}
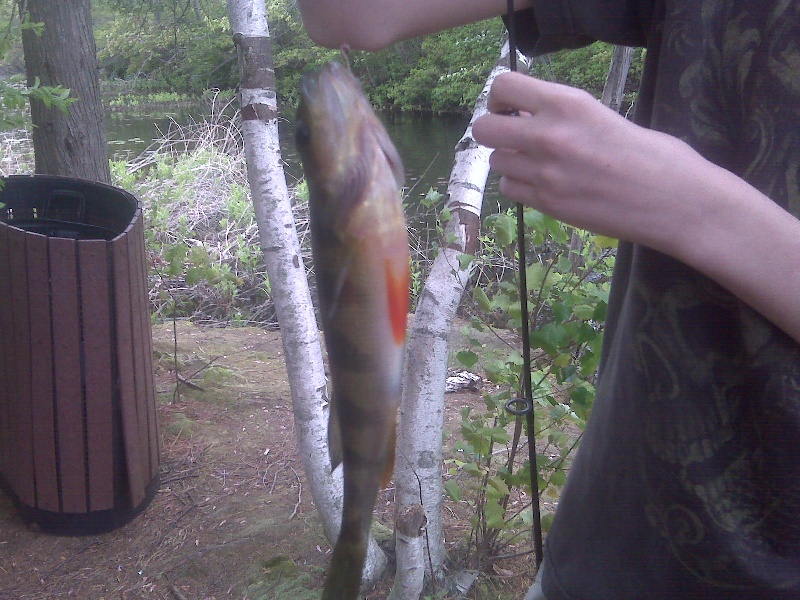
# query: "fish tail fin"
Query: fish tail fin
{"points": [[344, 574]]}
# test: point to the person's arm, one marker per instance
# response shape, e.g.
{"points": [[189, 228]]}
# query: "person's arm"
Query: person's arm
{"points": [[576, 160], [375, 24]]}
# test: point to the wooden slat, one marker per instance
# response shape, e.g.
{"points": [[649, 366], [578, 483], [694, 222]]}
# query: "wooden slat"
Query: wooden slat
{"points": [[95, 296], [41, 374], [138, 353], [21, 420], [6, 356], [147, 391], [135, 457], [67, 360]]}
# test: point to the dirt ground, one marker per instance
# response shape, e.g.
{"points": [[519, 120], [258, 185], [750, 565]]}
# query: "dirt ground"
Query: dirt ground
{"points": [[233, 517]]}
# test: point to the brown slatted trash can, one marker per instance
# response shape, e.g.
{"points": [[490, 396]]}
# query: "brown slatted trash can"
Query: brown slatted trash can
{"points": [[78, 432]]}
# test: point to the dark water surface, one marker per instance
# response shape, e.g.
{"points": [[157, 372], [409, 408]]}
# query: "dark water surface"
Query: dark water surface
{"points": [[425, 142]]}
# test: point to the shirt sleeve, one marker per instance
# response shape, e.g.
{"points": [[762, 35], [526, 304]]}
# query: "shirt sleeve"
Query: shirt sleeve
{"points": [[560, 24]]}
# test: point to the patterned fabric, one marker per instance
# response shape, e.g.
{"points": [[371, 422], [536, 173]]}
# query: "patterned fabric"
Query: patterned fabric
{"points": [[687, 482]]}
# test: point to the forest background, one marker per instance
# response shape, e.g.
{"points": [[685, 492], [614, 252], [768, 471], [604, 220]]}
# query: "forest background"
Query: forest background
{"points": [[183, 47], [156, 55]]}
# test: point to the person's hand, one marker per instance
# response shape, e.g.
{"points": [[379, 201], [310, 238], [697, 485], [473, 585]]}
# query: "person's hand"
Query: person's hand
{"points": [[574, 159], [569, 156]]}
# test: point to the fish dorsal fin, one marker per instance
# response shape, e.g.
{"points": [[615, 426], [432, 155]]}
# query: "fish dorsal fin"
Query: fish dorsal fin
{"points": [[390, 154], [388, 469]]}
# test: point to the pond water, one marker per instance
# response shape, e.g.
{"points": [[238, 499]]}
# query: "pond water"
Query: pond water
{"points": [[425, 143]]}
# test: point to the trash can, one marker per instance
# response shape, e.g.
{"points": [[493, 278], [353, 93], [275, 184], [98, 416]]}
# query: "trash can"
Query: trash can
{"points": [[78, 434]]}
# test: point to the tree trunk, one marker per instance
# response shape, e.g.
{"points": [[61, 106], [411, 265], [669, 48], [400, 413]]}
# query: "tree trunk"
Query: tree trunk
{"points": [[71, 144], [614, 87], [419, 456], [281, 248], [409, 582]]}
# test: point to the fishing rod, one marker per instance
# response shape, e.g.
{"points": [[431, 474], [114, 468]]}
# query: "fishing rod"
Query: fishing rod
{"points": [[524, 406]]}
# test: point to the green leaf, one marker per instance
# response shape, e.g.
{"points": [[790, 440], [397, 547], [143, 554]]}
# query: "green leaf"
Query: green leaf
{"points": [[584, 312], [464, 261], [600, 310], [494, 371], [550, 338], [541, 278], [472, 468], [558, 478], [547, 521], [503, 230], [467, 358], [495, 515], [452, 490], [534, 220], [603, 241], [499, 485], [431, 198], [481, 299]]}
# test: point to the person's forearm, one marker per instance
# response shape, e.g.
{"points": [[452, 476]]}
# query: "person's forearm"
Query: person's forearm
{"points": [[748, 244], [375, 24]]}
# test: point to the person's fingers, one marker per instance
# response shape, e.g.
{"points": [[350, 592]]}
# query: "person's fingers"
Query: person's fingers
{"points": [[523, 93], [514, 91], [511, 164], [518, 191], [497, 131]]}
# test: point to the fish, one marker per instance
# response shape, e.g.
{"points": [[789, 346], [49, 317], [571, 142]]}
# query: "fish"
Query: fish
{"points": [[362, 267]]}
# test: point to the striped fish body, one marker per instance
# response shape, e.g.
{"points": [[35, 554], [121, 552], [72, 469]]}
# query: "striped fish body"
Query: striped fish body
{"points": [[361, 263]]}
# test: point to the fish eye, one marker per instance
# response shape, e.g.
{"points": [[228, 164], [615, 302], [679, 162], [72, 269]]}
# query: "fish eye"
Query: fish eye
{"points": [[302, 133]]}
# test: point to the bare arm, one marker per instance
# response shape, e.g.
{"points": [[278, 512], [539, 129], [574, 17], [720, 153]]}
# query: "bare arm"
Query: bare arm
{"points": [[572, 158], [375, 24]]}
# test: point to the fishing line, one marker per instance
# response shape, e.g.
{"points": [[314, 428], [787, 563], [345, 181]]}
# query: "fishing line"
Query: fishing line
{"points": [[524, 406]]}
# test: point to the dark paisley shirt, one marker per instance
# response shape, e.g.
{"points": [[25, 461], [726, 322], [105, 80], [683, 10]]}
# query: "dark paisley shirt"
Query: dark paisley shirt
{"points": [[687, 482]]}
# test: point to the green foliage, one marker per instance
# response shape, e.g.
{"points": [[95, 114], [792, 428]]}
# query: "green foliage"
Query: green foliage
{"points": [[134, 101], [166, 45], [15, 97], [587, 68], [568, 284], [201, 234], [444, 72]]}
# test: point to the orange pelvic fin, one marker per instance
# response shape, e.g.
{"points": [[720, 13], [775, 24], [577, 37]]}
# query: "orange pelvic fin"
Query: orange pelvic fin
{"points": [[397, 293]]}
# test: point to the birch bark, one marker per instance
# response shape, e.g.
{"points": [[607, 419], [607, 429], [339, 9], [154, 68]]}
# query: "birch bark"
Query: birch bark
{"points": [[418, 469], [284, 262]]}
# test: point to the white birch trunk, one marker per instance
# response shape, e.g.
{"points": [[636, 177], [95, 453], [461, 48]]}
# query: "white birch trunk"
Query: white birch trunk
{"points": [[409, 525], [418, 469], [284, 262]]}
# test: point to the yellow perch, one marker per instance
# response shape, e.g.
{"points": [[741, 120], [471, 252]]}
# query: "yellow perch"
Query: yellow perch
{"points": [[361, 262]]}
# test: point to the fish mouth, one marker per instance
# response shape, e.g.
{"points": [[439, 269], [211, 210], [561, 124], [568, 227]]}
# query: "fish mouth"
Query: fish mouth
{"points": [[331, 86]]}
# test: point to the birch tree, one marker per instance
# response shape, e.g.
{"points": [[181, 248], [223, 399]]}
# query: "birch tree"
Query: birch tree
{"points": [[418, 470], [285, 269]]}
